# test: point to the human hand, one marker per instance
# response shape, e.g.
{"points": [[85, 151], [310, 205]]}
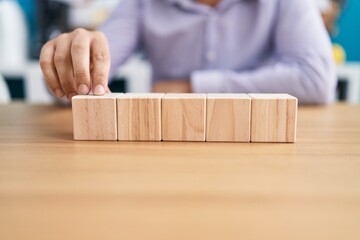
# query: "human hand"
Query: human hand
{"points": [[172, 86], [76, 63]]}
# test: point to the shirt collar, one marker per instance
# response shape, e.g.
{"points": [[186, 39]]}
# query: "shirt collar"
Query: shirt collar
{"points": [[191, 1], [191, 5]]}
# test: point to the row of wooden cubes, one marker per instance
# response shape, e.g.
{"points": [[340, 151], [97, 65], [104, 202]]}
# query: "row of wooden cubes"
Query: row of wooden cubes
{"points": [[186, 117]]}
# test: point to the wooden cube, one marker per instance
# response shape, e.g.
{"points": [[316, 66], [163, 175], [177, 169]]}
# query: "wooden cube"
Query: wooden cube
{"points": [[228, 118], [183, 117], [139, 117], [94, 117], [273, 118]]}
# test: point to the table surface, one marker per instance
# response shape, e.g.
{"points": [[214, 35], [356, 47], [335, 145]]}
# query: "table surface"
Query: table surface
{"points": [[52, 187]]}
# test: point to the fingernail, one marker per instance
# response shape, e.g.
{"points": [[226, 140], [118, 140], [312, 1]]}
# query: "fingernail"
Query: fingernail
{"points": [[83, 89], [59, 93], [99, 90], [70, 95]]}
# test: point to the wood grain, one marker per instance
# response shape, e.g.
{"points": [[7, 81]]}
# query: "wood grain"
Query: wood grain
{"points": [[228, 118], [273, 118], [52, 187], [139, 117], [94, 117], [183, 117]]}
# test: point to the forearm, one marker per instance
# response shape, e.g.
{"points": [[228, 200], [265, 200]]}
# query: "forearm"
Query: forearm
{"points": [[122, 32], [311, 84]]}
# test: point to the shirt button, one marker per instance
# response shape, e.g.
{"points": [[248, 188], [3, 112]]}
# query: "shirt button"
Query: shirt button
{"points": [[211, 56]]}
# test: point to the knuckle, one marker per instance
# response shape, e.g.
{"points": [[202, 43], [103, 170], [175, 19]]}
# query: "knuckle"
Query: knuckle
{"points": [[100, 39], [99, 76], [52, 84], [52, 88], [80, 31], [45, 50], [67, 86], [99, 35], [62, 37], [45, 62], [45, 47], [60, 59], [78, 46], [100, 57], [81, 75]]}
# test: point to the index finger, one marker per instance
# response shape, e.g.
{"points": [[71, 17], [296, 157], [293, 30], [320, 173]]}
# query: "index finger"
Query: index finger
{"points": [[80, 55], [100, 62]]}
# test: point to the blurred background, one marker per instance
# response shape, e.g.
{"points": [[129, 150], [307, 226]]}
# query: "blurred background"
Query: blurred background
{"points": [[25, 25]]}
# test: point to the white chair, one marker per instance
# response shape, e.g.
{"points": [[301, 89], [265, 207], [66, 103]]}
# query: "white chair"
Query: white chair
{"points": [[4, 91]]}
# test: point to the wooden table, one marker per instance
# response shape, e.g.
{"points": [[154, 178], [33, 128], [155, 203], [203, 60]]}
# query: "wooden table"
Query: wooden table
{"points": [[52, 187]]}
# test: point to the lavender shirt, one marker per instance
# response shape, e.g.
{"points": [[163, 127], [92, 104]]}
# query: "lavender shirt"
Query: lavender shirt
{"points": [[242, 46]]}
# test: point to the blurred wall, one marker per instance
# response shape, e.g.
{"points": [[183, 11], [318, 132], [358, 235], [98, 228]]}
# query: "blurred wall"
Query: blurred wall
{"points": [[29, 7], [349, 34]]}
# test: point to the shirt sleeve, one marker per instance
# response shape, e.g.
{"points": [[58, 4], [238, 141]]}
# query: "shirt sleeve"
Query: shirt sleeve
{"points": [[302, 64], [122, 30]]}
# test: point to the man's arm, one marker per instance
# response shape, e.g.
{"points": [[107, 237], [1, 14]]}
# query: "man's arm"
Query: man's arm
{"points": [[122, 30], [302, 65]]}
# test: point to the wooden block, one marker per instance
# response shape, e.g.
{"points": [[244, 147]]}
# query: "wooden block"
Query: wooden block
{"points": [[139, 117], [273, 118], [183, 117], [94, 117], [228, 118]]}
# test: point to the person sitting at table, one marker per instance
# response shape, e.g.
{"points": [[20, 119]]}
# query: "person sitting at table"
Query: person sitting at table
{"points": [[225, 46]]}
